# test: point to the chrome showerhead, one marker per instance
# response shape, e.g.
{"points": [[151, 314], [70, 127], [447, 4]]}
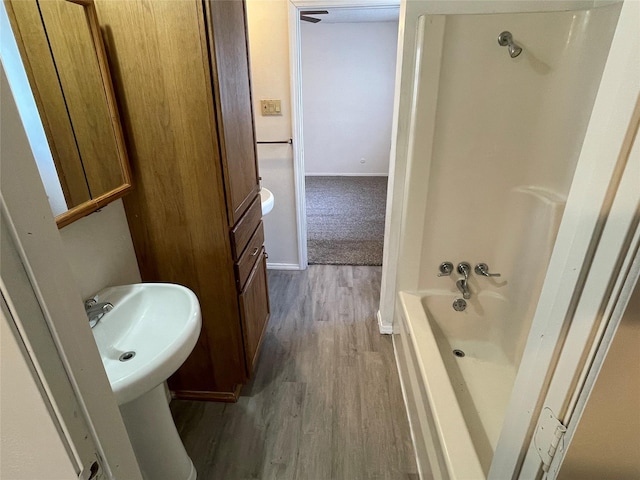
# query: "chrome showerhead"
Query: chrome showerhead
{"points": [[514, 50], [505, 39]]}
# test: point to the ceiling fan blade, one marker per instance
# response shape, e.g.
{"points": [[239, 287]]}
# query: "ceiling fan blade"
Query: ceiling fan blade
{"points": [[304, 18], [304, 15]]}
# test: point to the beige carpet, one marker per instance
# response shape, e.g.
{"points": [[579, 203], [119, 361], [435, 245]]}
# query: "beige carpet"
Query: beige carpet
{"points": [[345, 220]]}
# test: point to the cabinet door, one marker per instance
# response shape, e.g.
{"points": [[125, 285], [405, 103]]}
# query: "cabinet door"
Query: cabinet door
{"points": [[233, 101], [254, 305]]}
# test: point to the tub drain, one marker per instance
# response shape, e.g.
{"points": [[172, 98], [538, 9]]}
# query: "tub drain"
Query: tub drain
{"points": [[459, 305], [127, 356], [458, 353]]}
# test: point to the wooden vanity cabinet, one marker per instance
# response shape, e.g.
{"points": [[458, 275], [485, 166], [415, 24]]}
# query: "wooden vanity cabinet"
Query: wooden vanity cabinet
{"points": [[182, 77], [254, 311]]}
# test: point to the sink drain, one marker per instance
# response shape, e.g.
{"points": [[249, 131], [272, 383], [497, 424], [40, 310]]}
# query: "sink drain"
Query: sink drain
{"points": [[458, 353], [129, 355]]}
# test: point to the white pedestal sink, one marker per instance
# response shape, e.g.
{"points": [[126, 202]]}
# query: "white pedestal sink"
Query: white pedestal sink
{"points": [[145, 338], [267, 200]]}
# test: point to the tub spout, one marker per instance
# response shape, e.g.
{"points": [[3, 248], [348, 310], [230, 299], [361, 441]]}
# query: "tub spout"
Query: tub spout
{"points": [[463, 286]]}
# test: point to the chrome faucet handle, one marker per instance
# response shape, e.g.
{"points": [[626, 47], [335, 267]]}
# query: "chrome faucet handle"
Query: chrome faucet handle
{"points": [[445, 269], [465, 269], [483, 269]]}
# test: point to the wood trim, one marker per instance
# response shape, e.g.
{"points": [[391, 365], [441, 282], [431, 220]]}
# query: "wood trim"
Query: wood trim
{"points": [[228, 397], [109, 91], [92, 206]]}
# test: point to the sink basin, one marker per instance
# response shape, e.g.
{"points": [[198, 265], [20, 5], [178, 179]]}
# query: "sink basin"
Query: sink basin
{"points": [[267, 200], [148, 334], [158, 322]]}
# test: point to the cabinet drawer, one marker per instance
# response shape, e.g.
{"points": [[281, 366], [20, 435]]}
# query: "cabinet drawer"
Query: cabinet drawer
{"points": [[249, 257], [242, 232], [254, 311]]}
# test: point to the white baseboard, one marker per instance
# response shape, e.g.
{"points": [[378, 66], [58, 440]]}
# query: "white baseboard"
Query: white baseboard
{"points": [[385, 174], [384, 329], [283, 266]]}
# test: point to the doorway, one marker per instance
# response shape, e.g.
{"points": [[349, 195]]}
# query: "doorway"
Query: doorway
{"points": [[348, 76], [343, 90]]}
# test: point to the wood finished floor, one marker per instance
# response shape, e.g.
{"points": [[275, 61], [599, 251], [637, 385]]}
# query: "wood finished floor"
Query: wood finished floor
{"points": [[325, 401]]}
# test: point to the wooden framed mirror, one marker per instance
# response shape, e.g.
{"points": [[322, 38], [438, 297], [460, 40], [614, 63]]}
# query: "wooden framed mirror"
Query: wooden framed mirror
{"points": [[64, 58]]}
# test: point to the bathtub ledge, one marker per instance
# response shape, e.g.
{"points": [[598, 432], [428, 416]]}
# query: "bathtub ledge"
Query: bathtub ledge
{"points": [[451, 430]]}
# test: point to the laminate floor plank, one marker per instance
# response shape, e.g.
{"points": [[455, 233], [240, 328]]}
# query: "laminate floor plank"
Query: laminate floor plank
{"points": [[379, 447], [325, 400], [347, 436]]}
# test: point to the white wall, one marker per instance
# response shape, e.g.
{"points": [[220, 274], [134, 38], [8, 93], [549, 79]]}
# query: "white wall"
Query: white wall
{"points": [[348, 75], [100, 251], [270, 79]]}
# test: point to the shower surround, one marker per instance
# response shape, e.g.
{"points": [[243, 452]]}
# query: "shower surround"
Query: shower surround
{"points": [[494, 141]]}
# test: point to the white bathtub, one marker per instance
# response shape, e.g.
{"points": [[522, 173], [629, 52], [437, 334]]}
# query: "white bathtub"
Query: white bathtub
{"points": [[456, 404], [491, 147]]}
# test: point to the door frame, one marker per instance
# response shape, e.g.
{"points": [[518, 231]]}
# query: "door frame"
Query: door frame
{"points": [[295, 68]]}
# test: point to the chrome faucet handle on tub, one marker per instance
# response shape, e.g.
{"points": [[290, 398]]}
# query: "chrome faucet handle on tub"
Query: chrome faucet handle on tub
{"points": [[445, 269], [465, 269], [483, 269]]}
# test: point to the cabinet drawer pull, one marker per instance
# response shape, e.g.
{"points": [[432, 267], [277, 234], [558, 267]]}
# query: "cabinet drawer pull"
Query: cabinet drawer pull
{"points": [[255, 251]]}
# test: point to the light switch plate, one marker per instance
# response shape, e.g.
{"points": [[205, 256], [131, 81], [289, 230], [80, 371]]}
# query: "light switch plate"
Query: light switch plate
{"points": [[270, 107]]}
